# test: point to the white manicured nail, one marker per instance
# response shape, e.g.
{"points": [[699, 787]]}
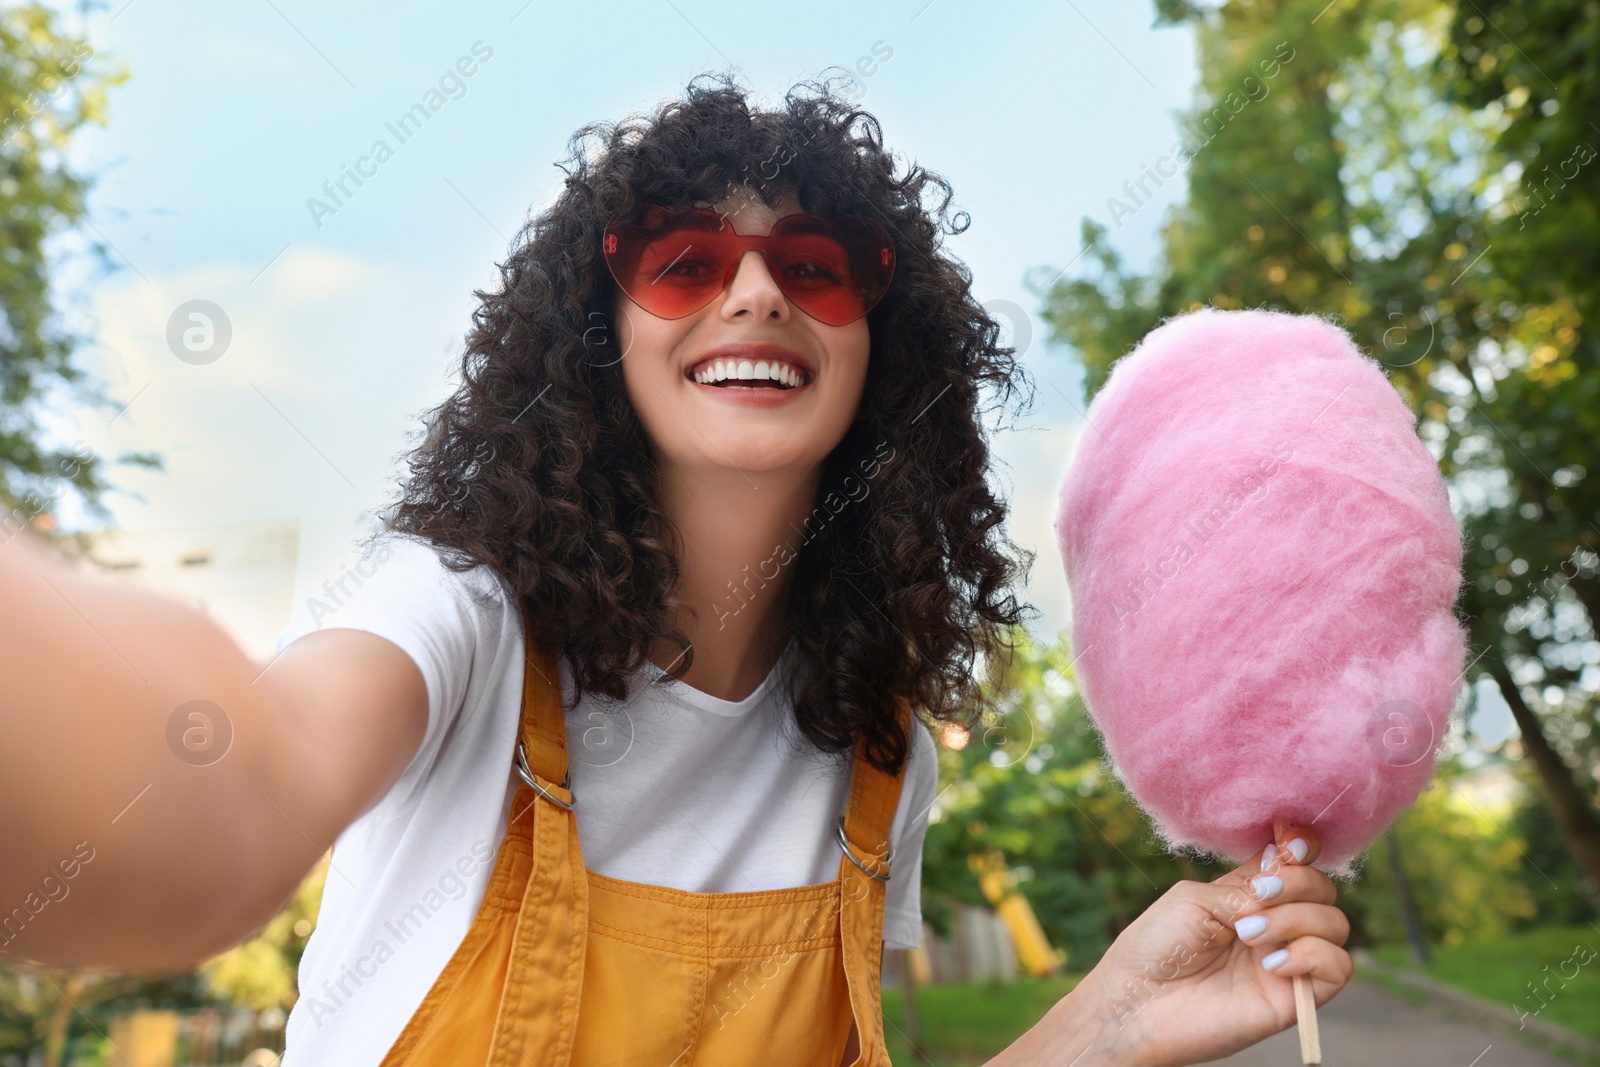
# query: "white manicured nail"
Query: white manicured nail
{"points": [[1268, 856], [1251, 926], [1267, 886], [1273, 960], [1299, 847]]}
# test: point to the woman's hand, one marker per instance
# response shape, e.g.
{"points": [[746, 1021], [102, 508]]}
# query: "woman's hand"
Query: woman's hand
{"points": [[1186, 982]]}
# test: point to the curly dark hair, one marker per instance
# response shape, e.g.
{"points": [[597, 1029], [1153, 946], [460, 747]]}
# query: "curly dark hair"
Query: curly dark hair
{"points": [[538, 466]]}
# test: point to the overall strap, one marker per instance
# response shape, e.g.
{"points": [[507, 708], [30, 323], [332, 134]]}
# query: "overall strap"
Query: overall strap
{"points": [[543, 730], [874, 798], [539, 1005], [868, 820]]}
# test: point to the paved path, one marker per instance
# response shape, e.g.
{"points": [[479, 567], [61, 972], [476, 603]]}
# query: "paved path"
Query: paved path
{"points": [[1367, 1026]]}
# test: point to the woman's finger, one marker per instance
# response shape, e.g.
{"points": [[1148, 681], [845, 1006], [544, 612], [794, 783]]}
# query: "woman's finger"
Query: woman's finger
{"points": [[1250, 894], [1310, 956], [1272, 928], [1293, 883], [1291, 846], [1230, 903]]}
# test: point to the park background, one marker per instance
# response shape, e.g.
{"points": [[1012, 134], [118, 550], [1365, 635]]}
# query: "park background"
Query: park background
{"points": [[1422, 172]]}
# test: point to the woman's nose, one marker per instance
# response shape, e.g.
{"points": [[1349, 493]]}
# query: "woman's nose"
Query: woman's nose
{"points": [[753, 289]]}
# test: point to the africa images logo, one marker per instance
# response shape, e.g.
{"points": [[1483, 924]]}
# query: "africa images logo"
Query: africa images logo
{"points": [[1138, 591], [451, 885]]}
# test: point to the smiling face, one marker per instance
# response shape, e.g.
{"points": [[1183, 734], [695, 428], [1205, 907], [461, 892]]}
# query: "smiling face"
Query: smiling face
{"points": [[749, 383]]}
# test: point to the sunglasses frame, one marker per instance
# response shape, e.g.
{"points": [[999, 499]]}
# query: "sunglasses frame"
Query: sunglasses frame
{"points": [[670, 220]]}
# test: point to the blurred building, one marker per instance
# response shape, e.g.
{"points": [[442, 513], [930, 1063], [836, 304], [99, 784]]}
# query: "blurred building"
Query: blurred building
{"points": [[241, 574], [979, 947]]}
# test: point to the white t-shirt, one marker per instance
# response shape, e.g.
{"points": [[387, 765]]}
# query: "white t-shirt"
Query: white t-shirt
{"points": [[673, 787]]}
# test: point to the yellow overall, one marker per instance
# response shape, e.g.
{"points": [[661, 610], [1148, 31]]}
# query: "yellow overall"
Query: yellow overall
{"points": [[565, 966]]}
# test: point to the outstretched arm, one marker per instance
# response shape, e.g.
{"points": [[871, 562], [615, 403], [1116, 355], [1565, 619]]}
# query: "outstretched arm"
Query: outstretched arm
{"points": [[136, 835]]}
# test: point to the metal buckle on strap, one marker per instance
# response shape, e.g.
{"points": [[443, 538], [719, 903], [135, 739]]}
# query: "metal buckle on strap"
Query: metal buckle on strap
{"points": [[844, 844], [527, 776]]}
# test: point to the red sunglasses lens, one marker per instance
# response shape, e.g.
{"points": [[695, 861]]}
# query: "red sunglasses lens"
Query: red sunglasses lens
{"points": [[669, 263], [673, 263]]}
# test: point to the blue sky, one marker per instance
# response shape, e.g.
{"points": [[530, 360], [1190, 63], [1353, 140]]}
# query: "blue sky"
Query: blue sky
{"points": [[343, 333]]}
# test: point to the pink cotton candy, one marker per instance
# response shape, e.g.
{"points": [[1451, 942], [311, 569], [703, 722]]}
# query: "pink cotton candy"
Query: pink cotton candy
{"points": [[1263, 567]]}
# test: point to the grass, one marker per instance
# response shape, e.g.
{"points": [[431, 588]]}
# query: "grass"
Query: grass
{"points": [[1405, 992], [965, 1024], [1501, 971]]}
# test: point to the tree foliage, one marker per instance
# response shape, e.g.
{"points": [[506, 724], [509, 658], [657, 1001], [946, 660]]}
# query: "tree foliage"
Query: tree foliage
{"points": [[1420, 173], [51, 85]]}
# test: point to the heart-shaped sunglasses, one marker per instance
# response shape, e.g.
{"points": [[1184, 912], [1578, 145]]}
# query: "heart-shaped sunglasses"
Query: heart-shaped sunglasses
{"points": [[673, 263]]}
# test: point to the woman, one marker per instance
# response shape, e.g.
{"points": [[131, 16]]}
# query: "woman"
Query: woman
{"points": [[613, 727]]}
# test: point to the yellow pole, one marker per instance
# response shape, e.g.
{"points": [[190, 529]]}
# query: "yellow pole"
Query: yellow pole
{"points": [[999, 887]]}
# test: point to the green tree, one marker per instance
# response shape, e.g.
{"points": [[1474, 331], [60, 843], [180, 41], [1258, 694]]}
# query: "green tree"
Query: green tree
{"points": [[51, 85], [1534, 66], [46, 1008], [1466, 874], [1338, 166]]}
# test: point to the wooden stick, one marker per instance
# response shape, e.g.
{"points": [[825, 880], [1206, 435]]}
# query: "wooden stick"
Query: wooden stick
{"points": [[1305, 1003], [1305, 1010]]}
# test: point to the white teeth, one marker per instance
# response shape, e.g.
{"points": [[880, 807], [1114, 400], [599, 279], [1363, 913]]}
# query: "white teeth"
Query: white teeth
{"points": [[720, 370]]}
